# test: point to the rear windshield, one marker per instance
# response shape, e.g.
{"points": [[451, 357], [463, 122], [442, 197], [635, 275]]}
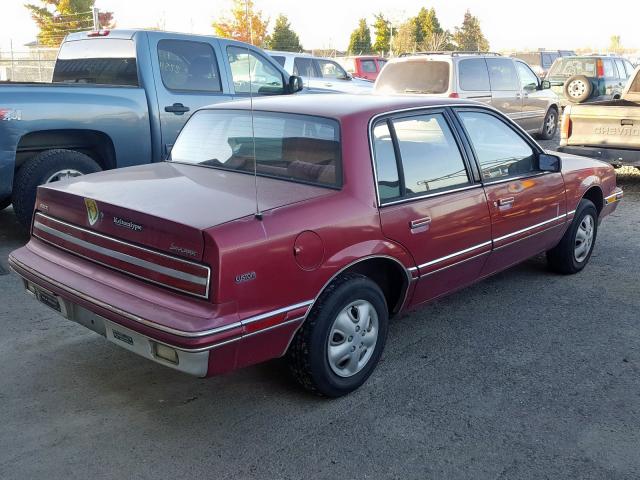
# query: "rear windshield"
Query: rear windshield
{"points": [[417, 76], [106, 61], [569, 66], [298, 148]]}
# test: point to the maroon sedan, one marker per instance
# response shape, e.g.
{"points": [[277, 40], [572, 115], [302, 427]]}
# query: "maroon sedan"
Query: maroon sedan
{"points": [[360, 208]]}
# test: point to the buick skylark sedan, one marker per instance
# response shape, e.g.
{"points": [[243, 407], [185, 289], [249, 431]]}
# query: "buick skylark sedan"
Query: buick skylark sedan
{"points": [[360, 207]]}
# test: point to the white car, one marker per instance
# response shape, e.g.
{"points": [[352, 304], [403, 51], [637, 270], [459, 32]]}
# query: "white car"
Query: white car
{"points": [[320, 75]]}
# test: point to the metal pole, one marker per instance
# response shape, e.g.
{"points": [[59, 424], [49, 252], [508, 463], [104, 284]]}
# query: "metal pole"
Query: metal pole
{"points": [[39, 60], [96, 19], [12, 66]]}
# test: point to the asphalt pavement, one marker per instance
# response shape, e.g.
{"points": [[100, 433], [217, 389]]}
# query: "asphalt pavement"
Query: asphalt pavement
{"points": [[528, 374]]}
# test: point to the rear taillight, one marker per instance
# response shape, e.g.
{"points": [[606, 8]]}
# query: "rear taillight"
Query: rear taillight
{"points": [[99, 33], [566, 126], [600, 68], [454, 95]]}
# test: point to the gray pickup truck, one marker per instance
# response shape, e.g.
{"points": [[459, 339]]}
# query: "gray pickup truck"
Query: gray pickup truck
{"points": [[608, 131], [119, 98]]}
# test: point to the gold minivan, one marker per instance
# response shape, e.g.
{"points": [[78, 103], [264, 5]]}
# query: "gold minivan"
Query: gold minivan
{"points": [[505, 83]]}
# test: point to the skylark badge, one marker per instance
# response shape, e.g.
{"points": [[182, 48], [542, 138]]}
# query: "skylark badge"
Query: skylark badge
{"points": [[92, 210]]}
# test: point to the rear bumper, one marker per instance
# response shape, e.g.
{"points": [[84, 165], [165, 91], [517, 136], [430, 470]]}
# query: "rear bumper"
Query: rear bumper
{"points": [[613, 156], [207, 339]]}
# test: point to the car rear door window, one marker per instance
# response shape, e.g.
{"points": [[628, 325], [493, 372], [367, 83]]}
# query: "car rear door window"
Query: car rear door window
{"points": [[187, 65], [431, 159], [474, 74], [386, 166], [502, 74], [500, 151], [253, 73], [304, 67]]}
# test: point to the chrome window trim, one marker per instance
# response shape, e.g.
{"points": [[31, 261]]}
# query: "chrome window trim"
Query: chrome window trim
{"points": [[524, 230], [518, 177], [430, 195], [455, 254], [135, 318]]}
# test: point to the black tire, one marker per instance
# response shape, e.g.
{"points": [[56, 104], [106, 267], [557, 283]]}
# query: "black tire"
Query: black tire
{"points": [[549, 125], [37, 170], [5, 203], [308, 353], [562, 258], [577, 89]]}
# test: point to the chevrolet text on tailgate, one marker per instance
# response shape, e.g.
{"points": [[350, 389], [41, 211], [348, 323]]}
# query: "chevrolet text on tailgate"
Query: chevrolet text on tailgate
{"points": [[298, 228]]}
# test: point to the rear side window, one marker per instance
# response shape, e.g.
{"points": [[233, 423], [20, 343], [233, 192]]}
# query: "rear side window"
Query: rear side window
{"points": [[569, 66], [415, 76], [368, 66], [609, 69], [186, 65], [304, 67], [501, 152], [474, 74], [386, 167], [431, 160], [502, 74], [105, 61]]}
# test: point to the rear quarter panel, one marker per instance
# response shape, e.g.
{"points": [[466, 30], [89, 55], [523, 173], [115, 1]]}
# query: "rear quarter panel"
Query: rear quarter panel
{"points": [[580, 174], [119, 112]]}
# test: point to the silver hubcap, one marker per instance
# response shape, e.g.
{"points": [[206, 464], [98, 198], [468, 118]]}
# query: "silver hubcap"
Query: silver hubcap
{"points": [[62, 174], [352, 339], [551, 123], [584, 238], [577, 88]]}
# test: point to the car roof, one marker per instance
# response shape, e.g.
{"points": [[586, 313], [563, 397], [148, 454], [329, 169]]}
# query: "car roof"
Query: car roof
{"points": [[339, 105]]}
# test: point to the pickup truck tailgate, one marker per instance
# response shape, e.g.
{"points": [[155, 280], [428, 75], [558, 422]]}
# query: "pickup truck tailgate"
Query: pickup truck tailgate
{"points": [[617, 125]]}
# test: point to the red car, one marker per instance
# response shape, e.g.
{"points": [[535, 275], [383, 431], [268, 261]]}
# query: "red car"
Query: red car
{"points": [[361, 207], [363, 66]]}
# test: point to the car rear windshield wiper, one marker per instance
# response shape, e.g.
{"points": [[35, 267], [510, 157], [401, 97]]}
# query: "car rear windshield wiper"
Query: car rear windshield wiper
{"points": [[413, 90]]}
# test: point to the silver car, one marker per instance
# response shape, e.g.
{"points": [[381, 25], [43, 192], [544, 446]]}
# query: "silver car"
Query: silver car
{"points": [[320, 75], [507, 84]]}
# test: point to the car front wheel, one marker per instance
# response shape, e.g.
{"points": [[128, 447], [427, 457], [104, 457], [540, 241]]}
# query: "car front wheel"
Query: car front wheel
{"points": [[341, 341], [549, 125], [573, 252]]}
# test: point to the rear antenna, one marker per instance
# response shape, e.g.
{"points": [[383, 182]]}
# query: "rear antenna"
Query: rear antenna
{"points": [[258, 214]]}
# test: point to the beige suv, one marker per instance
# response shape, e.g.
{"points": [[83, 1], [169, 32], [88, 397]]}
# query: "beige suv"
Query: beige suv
{"points": [[507, 84]]}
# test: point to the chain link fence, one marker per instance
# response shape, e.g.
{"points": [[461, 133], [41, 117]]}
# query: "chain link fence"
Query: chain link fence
{"points": [[29, 63]]}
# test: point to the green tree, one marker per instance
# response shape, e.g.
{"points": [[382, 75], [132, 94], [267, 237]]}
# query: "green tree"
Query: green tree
{"points": [[249, 28], [56, 18], [469, 36], [360, 39], [283, 37], [426, 25], [404, 38], [382, 29], [615, 44]]}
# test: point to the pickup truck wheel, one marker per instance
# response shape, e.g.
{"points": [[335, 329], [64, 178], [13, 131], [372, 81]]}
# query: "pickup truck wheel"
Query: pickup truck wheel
{"points": [[342, 339], [574, 250], [578, 89], [549, 125], [48, 166]]}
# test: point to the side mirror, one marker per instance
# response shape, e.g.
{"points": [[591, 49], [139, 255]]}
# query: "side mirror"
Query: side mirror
{"points": [[549, 163], [295, 84], [545, 85]]}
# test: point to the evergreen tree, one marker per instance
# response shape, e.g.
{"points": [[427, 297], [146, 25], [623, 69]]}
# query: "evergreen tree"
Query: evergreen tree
{"points": [[57, 18], [382, 29], [426, 25], [283, 37], [360, 42], [469, 36]]}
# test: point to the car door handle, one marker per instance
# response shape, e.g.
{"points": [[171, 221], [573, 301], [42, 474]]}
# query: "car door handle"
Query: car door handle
{"points": [[177, 108], [506, 201], [420, 222]]}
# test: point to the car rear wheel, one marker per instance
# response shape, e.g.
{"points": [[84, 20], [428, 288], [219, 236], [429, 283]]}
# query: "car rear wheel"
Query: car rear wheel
{"points": [[549, 125], [573, 252], [46, 167], [578, 89], [341, 341]]}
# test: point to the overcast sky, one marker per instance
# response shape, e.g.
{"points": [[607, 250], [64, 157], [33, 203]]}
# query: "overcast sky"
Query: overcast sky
{"points": [[328, 23]]}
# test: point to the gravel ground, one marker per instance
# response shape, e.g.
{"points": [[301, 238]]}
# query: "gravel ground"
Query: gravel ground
{"points": [[525, 375]]}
